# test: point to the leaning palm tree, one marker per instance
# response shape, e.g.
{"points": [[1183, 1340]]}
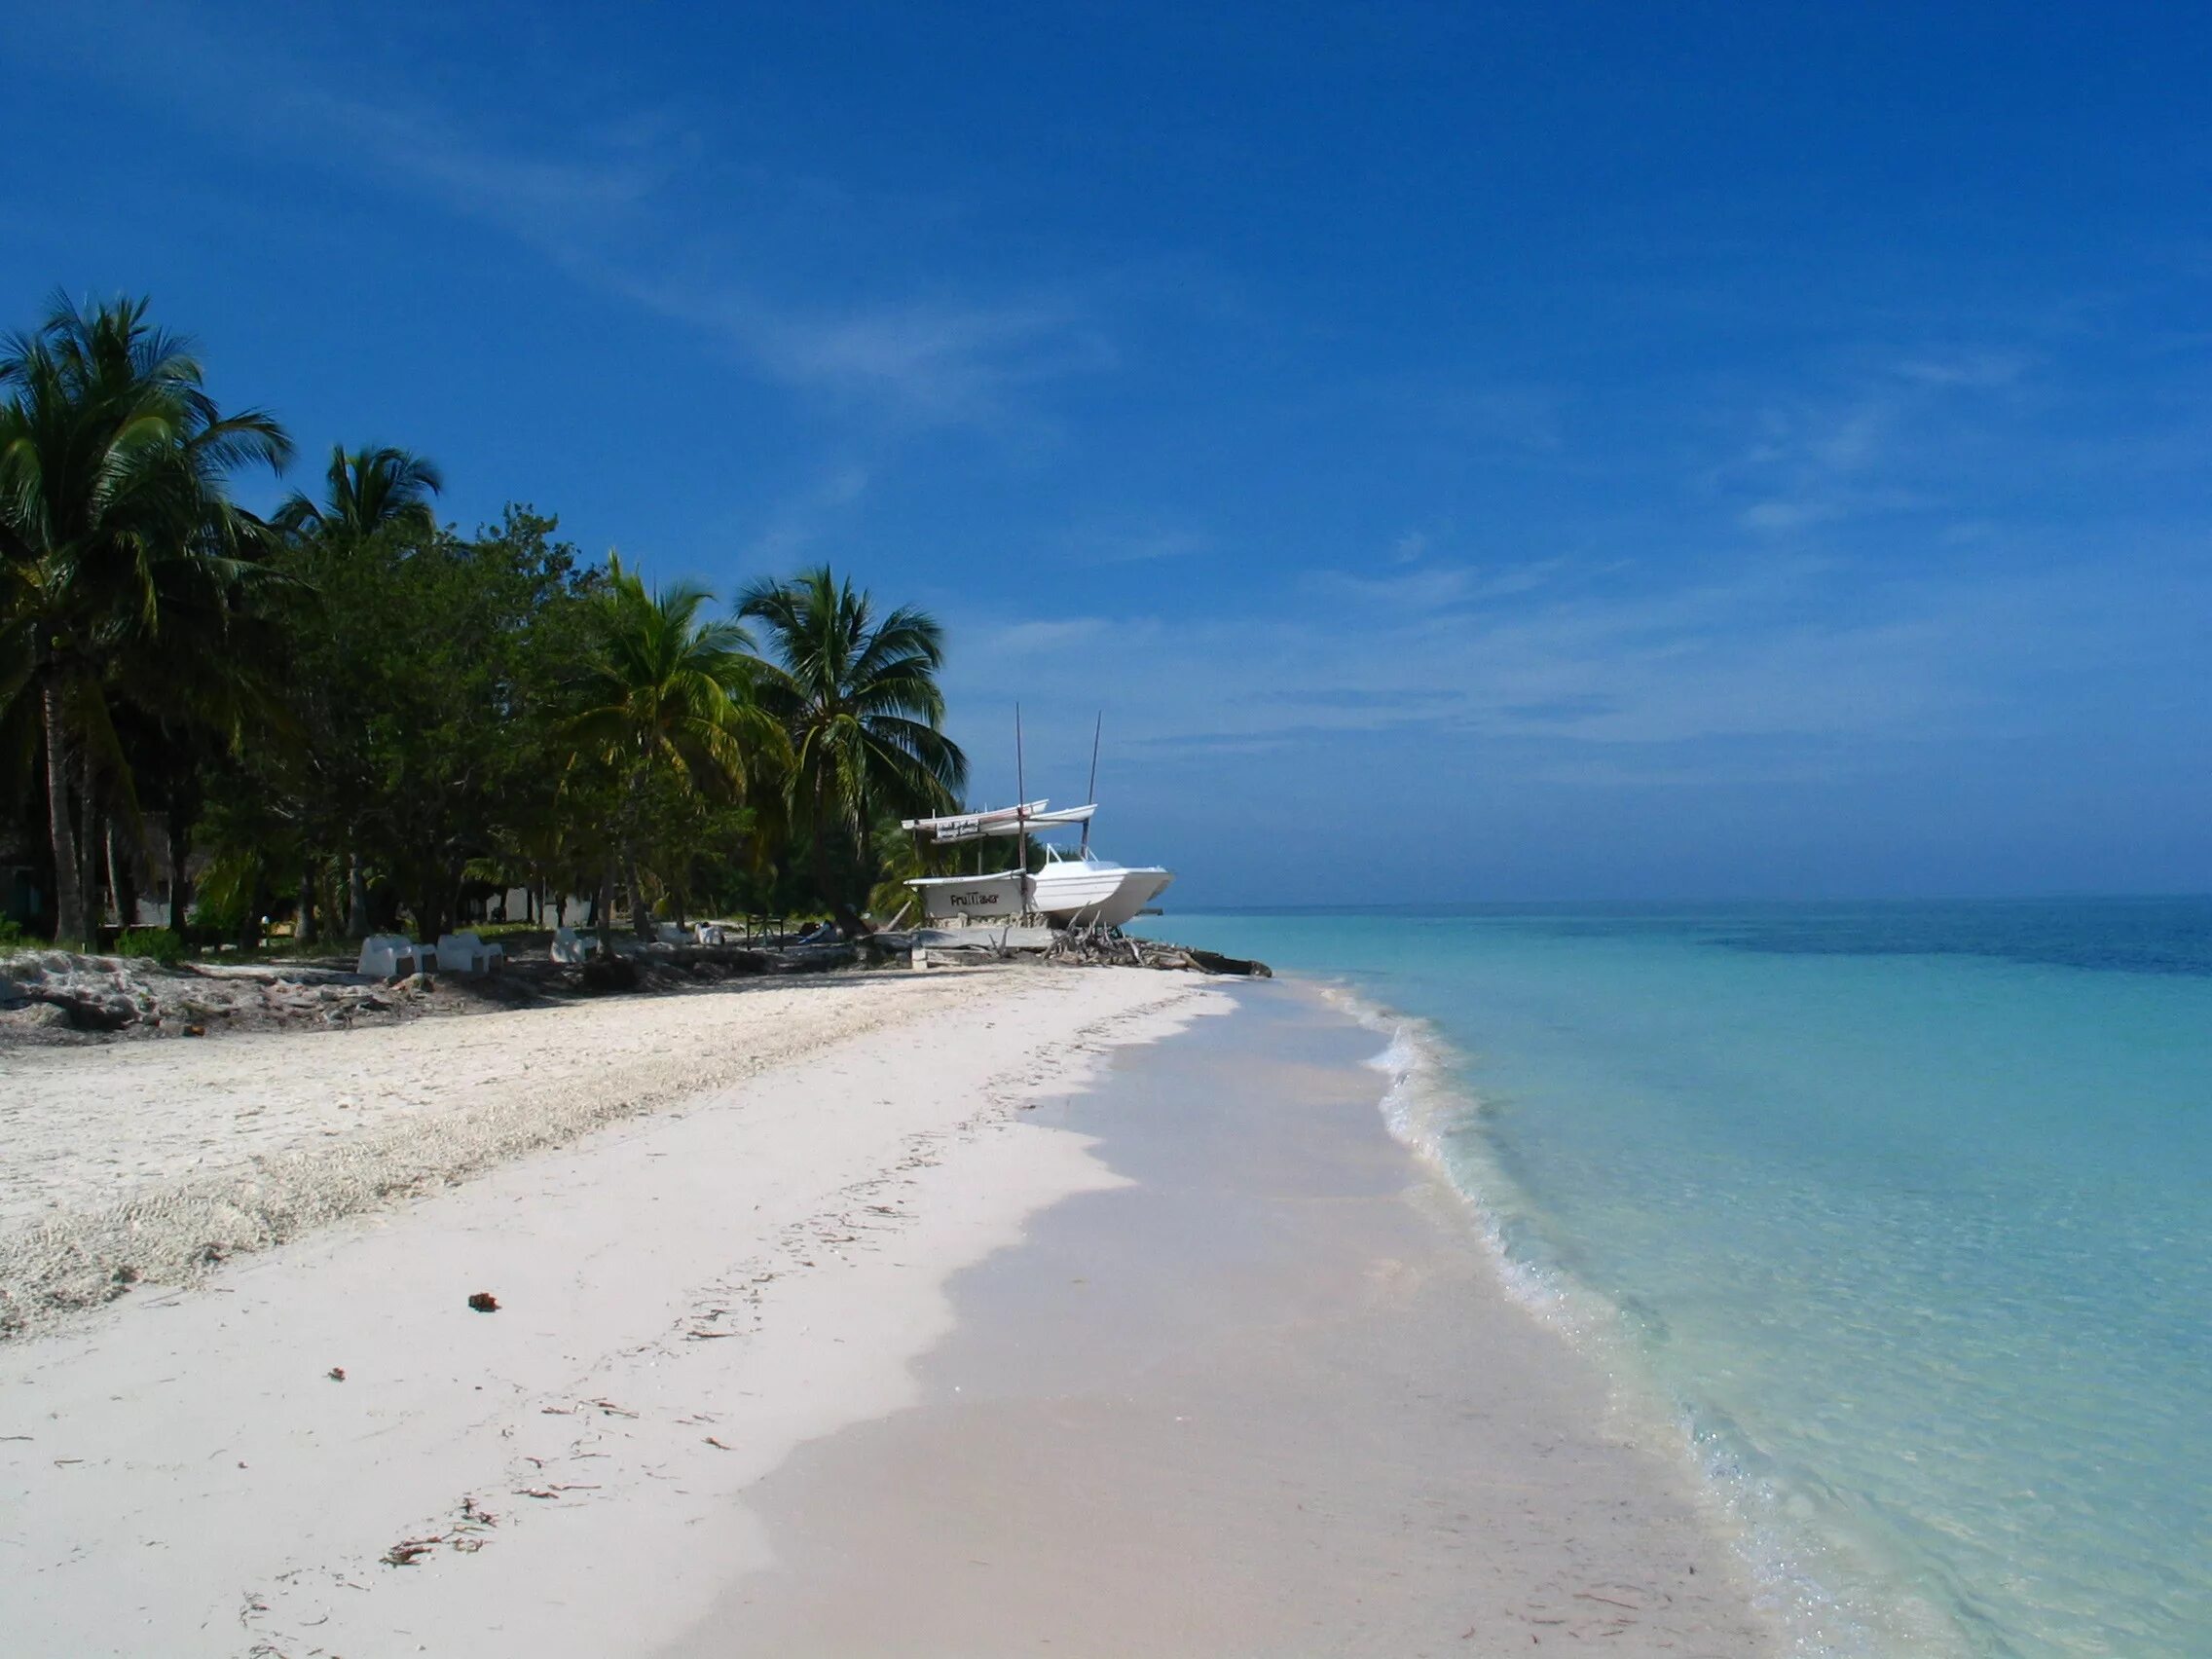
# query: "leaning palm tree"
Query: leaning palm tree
{"points": [[114, 514], [666, 707], [858, 698], [366, 493]]}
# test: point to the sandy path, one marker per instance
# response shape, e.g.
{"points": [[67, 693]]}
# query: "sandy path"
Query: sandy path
{"points": [[186, 1473]]}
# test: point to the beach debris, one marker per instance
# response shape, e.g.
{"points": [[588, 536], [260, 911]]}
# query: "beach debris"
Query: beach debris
{"points": [[337, 1374], [717, 1445], [463, 1534], [484, 1302]]}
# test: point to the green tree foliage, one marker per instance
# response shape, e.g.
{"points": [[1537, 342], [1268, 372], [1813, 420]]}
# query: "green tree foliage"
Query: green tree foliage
{"points": [[667, 724], [121, 553], [857, 693], [356, 713], [428, 677]]}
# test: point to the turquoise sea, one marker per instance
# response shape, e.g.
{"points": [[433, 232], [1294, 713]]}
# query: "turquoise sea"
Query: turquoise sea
{"points": [[1903, 1211]]}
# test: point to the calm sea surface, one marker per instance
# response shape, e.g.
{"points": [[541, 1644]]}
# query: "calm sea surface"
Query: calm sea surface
{"points": [[1905, 1211]]}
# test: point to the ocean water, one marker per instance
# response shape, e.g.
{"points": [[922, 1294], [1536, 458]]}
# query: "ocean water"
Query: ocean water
{"points": [[1902, 1212]]}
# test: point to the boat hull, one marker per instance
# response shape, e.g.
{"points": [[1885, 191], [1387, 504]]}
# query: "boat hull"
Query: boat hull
{"points": [[963, 899], [1091, 897]]}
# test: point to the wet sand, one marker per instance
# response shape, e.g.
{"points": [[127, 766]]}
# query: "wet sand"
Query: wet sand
{"points": [[1267, 1397]]}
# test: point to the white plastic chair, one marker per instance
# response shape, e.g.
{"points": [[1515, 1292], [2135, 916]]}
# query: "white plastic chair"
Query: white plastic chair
{"points": [[465, 954], [668, 933], [570, 949], [388, 956]]}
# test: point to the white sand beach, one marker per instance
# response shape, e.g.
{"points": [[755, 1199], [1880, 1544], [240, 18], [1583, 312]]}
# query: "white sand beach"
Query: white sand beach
{"points": [[148, 1159], [811, 1337], [685, 1294]]}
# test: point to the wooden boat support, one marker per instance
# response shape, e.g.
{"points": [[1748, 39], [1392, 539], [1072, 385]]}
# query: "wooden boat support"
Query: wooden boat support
{"points": [[1088, 946]]}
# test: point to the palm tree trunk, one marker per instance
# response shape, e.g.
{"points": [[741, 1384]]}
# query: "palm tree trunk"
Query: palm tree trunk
{"points": [[249, 923], [356, 897], [302, 922], [68, 895], [88, 852], [179, 849], [639, 919], [868, 872], [122, 878]]}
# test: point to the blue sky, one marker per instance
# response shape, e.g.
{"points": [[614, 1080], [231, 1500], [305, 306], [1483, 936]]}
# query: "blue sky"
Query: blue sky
{"points": [[1468, 451]]}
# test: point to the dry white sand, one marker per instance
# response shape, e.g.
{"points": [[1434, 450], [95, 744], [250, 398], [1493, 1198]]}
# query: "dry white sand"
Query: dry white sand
{"points": [[141, 1163], [320, 1450]]}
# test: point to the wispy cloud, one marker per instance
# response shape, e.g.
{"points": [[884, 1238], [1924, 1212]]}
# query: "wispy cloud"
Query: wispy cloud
{"points": [[611, 202], [1876, 445], [1025, 640], [1408, 584], [1759, 664], [932, 360], [1140, 544], [805, 518]]}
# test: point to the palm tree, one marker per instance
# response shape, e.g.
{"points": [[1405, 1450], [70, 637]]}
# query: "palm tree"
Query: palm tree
{"points": [[860, 701], [114, 514], [667, 706], [366, 493]]}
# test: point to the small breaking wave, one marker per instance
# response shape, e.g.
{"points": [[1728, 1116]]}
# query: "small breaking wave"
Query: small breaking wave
{"points": [[1793, 1570], [1428, 1109]]}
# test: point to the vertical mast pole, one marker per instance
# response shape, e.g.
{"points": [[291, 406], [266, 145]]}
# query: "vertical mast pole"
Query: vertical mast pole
{"points": [[1021, 805], [1091, 795]]}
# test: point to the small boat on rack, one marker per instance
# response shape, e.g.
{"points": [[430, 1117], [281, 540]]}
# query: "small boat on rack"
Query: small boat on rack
{"points": [[1074, 889], [967, 899]]}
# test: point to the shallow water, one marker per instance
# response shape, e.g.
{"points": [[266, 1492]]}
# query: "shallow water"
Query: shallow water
{"points": [[1900, 1209]]}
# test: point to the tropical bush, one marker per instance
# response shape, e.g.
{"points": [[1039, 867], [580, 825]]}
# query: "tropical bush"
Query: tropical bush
{"points": [[163, 946]]}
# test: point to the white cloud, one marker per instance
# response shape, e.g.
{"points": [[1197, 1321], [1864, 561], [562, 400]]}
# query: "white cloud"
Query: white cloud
{"points": [[1145, 544], [934, 361], [1040, 638]]}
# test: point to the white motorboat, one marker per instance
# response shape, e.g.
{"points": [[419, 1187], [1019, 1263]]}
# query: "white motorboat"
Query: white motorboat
{"points": [[1080, 889], [1072, 889]]}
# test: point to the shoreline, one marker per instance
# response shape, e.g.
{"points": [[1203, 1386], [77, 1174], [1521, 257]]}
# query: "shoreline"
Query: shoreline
{"points": [[1264, 1393], [1827, 1593]]}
